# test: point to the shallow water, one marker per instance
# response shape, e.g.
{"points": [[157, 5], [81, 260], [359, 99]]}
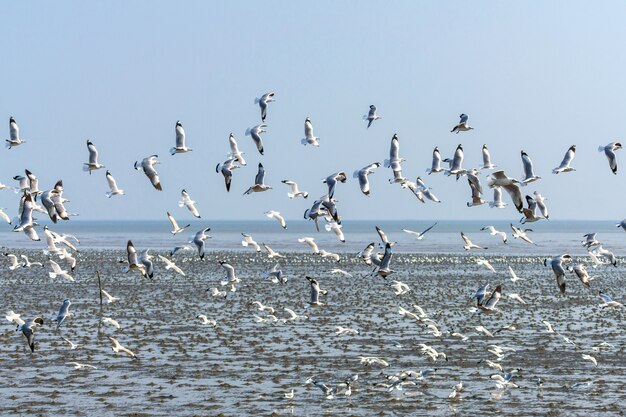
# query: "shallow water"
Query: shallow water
{"points": [[242, 367]]}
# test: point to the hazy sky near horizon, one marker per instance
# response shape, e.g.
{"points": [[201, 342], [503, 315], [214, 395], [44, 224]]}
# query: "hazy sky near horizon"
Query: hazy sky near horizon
{"points": [[538, 76]]}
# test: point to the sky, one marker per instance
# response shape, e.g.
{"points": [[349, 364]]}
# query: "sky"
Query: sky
{"points": [[538, 76]]}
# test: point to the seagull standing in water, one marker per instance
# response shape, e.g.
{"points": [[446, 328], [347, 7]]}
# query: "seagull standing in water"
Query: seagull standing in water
{"points": [[186, 201], [255, 133], [263, 102], [371, 116], [609, 151], [147, 165], [567, 160], [14, 134], [463, 125], [114, 190], [93, 163], [180, 140], [309, 137], [259, 185]]}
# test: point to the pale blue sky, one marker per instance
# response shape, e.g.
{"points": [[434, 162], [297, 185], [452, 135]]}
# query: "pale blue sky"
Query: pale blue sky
{"points": [[538, 76]]}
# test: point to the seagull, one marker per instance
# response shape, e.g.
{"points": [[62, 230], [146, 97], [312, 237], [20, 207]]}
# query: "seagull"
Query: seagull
{"points": [[293, 315], [72, 344], [259, 185], [590, 358], [394, 160], [529, 174], [180, 140], [371, 116], [119, 348], [609, 151], [345, 331], [493, 232], [315, 291], [517, 297], [52, 200], [112, 322], [27, 328], [311, 242], [383, 236], [426, 191], [271, 253], [519, 233], [5, 217], [255, 133], [499, 179], [514, 276], [63, 312], [608, 301], [540, 200], [199, 239], [309, 138], [248, 241], [383, 269], [189, 203], [556, 264], [487, 159], [234, 150], [529, 213], [565, 164], [114, 190], [362, 174], [414, 189], [600, 251], [590, 240], [549, 328], [93, 163], [341, 272], [13, 260], [326, 254], [206, 321], [463, 126], [276, 215], [226, 168], [275, 275], [33, 183], [263, 307], [294, 191], [110, 298], [147, 165], [133, 262], [581, 272], [400, 288], [420, 235], [217, 293], [331, 181], [475, 187], [63, 255], [336, 228], [480, 293], [456, 163], [486, 264], [80, 365], [468, 243], [372, 360], [171, 265], [175, 227], [146, 260], [263, 102], [58, 272], [436, 164], [14, 134]]}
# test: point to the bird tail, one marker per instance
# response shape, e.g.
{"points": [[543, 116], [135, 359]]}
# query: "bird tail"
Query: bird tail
{"points": [[109, 194], [256, 100], [290, 195], [248, 131], [52, 275], [304, 141], [86, 167], [137, 165], [355, 174], [386, 163], [305, 195], [600, 148], [173, 151]]}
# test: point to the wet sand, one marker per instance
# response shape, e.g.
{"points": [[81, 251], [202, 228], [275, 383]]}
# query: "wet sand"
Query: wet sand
{"points": [[241, 367]]}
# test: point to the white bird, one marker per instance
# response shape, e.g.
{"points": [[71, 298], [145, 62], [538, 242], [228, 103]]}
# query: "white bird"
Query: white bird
{"points": [[497, 199], [26, 263], [14, 134], [255, 133], [345, 331], [186, 201], [133, 260], [529, 174], [112, 322], [600, 251], [293, 315], [362, 175], [567, 160], [276, 215], [486, 264], [341, 272], [217, 293], [412, 186], [271, 253], [234, 150], [117, 347], [114, 190], [231, 277], [294, 191], [64, 312], [475, 187], [72, 344], [541, 205], [27, 327], [590, 240], [519, 233], [400, 288], [263, 102], [384, 269], [436, 163], [326, 254], [608, 301], [336, 228], [147, 165], [206, 321], [289, 395], [315, 292], [248, 241], [483, 330], [487, 159], [371, 116], [171, 265], [262, 307], [80, 365], [426, 191], [259, 185], [93, 163], [548, 325], [175, 227], [590, 358], [58, 272], [463, 126], [180, 140], [275, 275], [581, 272], [517, 297], [468, 243], [13, 260], [199, 239], [556, 264], [419, 235], [110, 298], [514, 276], [394, 162], [226, 169], [309, 137], [489, 306], [5, 217], [311, 242], [499, 179], [456, 163], [373, 360], [609, 151], [493, 232], [331, 182]]}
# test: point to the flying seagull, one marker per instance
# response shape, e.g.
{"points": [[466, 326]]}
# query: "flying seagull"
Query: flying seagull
{"points": [[199, 239], [186, 201], [609, 151], [175, 227], [259, 184], [419, 235], [133, 260], [14, 134], [180, 140], [93, 163], [468, 243], [463, 126], [235, 153], [263, 102], [309, 137], [147, 165], [556, 264], [371, 116], [487, 159], [436, 164], [276, 215], [362, 175], [226, 168], [395, 160], [567, 160], [114, 190], [294, 191], [64, 311], [255, 132], [529, 174]]}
